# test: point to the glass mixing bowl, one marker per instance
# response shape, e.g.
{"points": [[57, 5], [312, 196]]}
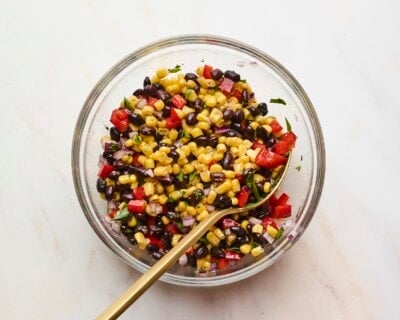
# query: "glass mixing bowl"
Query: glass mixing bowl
{"points": [[267, 77]]}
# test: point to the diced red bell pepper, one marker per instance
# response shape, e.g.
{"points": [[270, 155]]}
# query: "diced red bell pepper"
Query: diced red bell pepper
{"points": [[269, 159], [232, 255], [290, 138], [275, 126], [138, 193], [243, 196], [151, 101], [257, 144], [207, 71], [155, 241], [136, 206], [119, 118], [105, 170], [226, 86], [283, 211], [237, 94], [228, 223], [190, 250], [281, 147], [283, 199], [173, 121], [135, 160], [112, 213], [268, 221], [178, 101], [222, 263], [273, 200], [172, 228]]}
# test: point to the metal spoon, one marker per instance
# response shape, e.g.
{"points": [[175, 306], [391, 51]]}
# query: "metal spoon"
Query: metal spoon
{"points": [[168, 260]]}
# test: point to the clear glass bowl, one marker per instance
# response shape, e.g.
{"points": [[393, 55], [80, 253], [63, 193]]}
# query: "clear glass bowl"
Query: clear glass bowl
{"points": [[268, 78]]}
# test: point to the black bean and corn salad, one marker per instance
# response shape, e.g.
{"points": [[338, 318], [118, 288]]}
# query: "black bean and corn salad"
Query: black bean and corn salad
{"points": [[184, 146]]}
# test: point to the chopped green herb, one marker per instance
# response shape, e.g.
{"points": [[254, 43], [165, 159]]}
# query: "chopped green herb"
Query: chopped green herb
{"points": [[187, 93], [122, 214], [254, 244], [112, 147], [198, 194], [107, 127], [298, 168], [180, 176], [202, 60], [203, 240], [177, 68], [243, 80], [301, 158], [279, 234], [127, 104], [288, 125], [179, 224], [192, 176], [235, 249], [278, 100], [137, 139], [170, 200], [250, 182], [184, 134]]}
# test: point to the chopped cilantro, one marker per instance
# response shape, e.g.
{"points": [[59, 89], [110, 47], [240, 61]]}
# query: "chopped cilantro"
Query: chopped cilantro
{"points": [[122, 214], [198, 194], [235, 249], [180, 176], [288, 125], [137, 139], [112, 147], [177, 68], [127, 104], [188, 93], [107, 127], [170, 200], [298, 168], [279, 234], [250, 182], [184, 134], [301, 158], [179, 225], [243, 80], [278, 100], [192, 176], [203, 240]]}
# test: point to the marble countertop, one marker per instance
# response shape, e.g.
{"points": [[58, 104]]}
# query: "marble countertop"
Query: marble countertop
{"points": [[346, 54]]}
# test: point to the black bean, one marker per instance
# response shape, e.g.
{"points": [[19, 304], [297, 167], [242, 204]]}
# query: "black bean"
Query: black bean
{"points": [[174, 155], [157, 255], [109, 157], [101, 185], [263, 108], [138, 92], [262, 133], [141, 217], [201, 141], [136, 119], [146, 81], [270, 142], [266, 173], [151, 248], [239, 231], [249, 228], [254, 111], [241, 239], [124, 228], [166, 111], [260, 213], [216, 74], [230, 74], [121, 188], [201, 251], [227, 161], [113, 175], [191, 260], [228, 114], [166, 237], [191, 119], [114, 134], [190, 76], [245, 98], [156, 231], [195, 197], [237, 126], [161, 94], [141, 172], [213, 141], [231, 133], [120, 165], [127, 196], [158, 221], [109, 192], [217, 253], [223, 244], [150, 90], [248, 133], [158, 86], [147, 131], [166, 180], [198, 105], [222, 201], [143, 229], [238, 116], [131, 238], [217, 177]]}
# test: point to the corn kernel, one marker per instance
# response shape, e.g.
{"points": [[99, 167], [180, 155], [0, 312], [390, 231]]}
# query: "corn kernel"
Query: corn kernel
{"points": [[257, 228], [211, 102], [170, 188], [230, 239], [186, 110], [148, 188], [224, 187], [205, 158], [163, 199], [165, 220], [238, 168], [159, 105], [160, 171], [235, 201], [175, 239], [129, 143], [132, 221], [257, 251], [161, 72], [258, 178], [206, 266], [181, 206], [195, 132], [213, 239], [124, 179], [221, 99], [272, 231], [202, 215], [175, 195], [244, 224], [205, 176], [188, 168], [149, 163], [211, 196], [147, 111], [132, 178], [125, 158], [217, 156], [151, 121], [203, 125], [219, 233], [216, 168], [159, 188], [139, 237], [245, 248], [191, 210], [176, 168], [235, 185], [229, 174]]}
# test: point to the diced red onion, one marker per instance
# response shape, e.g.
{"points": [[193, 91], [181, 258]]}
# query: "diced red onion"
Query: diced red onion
{"points": [[155, 207], [188, 221], [105, 143], [268, 237], [183, 260], [120, 153], [141, 103], [254, 220], [213, 266], [220, 130], [206, 191], [227, 232], [122, 141], [210, 208]]}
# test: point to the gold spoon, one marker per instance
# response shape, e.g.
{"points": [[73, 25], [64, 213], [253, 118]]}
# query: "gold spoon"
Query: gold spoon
{"points": [[167, 261]]}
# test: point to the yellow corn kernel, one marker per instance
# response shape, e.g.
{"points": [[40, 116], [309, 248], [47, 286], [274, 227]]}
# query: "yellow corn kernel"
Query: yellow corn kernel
{"points": [[134, 185], [238, 168], [202, 215], [132, 178], [183, 161], [148, 188], [229, 174], [230, 239], [166, 141], [216, 168], [161, 72], [132, 221], [224, 187], [219, 233], [213, 239], [175, 195], [124, 179], [276, 171], [181, 206], [206, 266], [254, 125], [211, 196], [200, 207], [159, 188], [154, 197], [244, 224], [170, 188], [210, 101], [267, 187], [217, 156], [221, 99], [165, 220], [191, 96], [195, 132], [199, 70], [151, 121], [188, 168], [205, 176], [159, 105], [216, 115], [249, 165], [186, 150], [203, 125], [235, 201], [129, 143], [258, 178], [125, 158], [245, 248], [201, 117], [191, 84], [148, 163], [175, 239], [147, 111], [176, 168], [257, 228], [272, 231], [139, 237], [205, 158], [173, 134], [160, 171], [234, 151], [186, 110], [235, 185], [257, 251], [191, 210], [163, 199]]}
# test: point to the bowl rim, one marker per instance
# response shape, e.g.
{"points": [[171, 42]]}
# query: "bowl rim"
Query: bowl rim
{"points": [[203, 39]]}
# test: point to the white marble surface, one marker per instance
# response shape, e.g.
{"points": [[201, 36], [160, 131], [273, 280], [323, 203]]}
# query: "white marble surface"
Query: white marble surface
{"points": [[347, 56]]}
